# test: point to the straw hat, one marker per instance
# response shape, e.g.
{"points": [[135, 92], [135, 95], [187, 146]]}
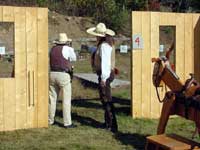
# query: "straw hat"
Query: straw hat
{"points": [[100, 30], [62, 39]]}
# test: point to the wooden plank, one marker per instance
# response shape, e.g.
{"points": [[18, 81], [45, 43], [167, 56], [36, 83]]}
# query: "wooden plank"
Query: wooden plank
{"points": [[167, 19], [196, 28], [171, 141], [43, 67], [8, 14], [189, 46], [31, 46], [146, 65], [180, 46], [1, 13], [155, 105], [20, 67], [9, 104], [1, 89], [1, 105], [167, 110], [137, 68], [9, 95]]}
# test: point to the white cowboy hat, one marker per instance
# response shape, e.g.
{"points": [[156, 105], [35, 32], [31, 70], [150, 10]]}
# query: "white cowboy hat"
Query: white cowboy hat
{"points": [[100, 30], [62, 39]]}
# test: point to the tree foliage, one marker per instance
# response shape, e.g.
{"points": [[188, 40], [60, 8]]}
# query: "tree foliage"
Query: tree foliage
{"points": [[111, 12], [42, 2], [115, 13]]}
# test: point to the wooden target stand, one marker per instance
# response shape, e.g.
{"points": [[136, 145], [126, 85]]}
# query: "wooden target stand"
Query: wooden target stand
{"points": [[24, 97], [146, 24], [170, 142]]}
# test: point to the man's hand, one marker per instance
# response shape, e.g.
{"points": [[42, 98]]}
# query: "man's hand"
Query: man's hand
{"points": [[103, 83]]}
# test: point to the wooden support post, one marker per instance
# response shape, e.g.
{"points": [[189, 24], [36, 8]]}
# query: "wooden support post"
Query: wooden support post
{"points": [[167, 109]]}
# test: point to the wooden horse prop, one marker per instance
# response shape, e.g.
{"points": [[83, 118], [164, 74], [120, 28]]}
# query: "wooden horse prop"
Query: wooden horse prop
{"points": [[182, 100]]}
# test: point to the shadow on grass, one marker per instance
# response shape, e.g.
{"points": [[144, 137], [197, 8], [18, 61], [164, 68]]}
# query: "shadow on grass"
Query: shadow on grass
{"points": [[90, 84], [123, 110], [137, 141], [87, 103], [122, 106], [121, 101], [87, 121]]}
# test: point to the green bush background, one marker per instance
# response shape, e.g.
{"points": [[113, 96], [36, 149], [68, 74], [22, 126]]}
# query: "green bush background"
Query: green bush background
{"points": [[114, 13]]}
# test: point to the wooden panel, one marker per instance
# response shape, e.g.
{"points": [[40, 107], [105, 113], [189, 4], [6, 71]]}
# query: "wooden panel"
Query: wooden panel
{"points": [[1, 13], [146, 65], [31, 46], [1, 105], [9, 87], [187, 55], [170, 141], [43, 68], [180, 47], [167, 19], [196, 28], [19, 100], [137, 68], [9, 104], [155, 105], [189, 46], [8, 14], [1, 89], [20, 67]]}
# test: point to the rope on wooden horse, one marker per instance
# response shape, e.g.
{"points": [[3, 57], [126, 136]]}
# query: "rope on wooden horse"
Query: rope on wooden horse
{"points": [[157, 75], [164, 99]]}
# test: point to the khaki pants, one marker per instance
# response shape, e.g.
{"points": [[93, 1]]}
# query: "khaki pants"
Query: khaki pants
{"points": [[60, 82]]}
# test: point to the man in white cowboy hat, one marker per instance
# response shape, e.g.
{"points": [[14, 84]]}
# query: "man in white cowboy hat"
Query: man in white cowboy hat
{"points": [[61, 56], [103, 63]]}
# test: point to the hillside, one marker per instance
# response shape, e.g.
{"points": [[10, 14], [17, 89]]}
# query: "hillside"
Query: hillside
{"points": [[75, 27]]}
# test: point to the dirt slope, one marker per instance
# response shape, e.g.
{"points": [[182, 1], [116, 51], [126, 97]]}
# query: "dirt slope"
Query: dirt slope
{"points": [[75, 27]]}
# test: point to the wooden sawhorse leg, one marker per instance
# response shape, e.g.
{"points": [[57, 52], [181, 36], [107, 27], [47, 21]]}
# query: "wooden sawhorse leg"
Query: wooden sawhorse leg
{"points": [[167, 110]]}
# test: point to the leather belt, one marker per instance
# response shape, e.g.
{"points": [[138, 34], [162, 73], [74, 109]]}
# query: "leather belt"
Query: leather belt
{"points": [[60, 70]]}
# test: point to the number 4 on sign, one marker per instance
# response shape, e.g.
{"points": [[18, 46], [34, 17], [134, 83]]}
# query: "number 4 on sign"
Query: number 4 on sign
{"points": [[137, 42]]}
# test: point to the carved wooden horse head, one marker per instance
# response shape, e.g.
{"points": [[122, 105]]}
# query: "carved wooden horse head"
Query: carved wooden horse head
{"points": [[163, 73]]}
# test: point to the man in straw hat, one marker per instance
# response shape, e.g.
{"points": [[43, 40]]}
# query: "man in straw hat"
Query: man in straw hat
{"points": [[61, 56], [103, 64]]}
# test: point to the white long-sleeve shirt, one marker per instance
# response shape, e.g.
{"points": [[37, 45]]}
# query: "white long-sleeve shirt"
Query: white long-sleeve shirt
{"points": [[105, 53], [68, 53]]}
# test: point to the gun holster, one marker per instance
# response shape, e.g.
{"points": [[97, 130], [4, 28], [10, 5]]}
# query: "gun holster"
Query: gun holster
{"points": [[71, 72]]}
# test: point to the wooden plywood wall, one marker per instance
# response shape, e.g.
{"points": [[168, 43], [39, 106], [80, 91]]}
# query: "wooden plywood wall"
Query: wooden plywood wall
{"points": [[144, 100], [24, 98]]}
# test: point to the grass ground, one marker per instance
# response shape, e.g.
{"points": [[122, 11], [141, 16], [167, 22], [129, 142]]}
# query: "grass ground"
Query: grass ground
{"points": [[87, 114]]}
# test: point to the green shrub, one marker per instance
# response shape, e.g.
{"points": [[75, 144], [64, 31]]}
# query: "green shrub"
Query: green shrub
{"points": [[110, 13], [42, 2]]}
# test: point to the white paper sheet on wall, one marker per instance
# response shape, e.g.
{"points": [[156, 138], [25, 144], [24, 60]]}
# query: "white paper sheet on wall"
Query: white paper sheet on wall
{"points": [[2, 51], [137, 42]]}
